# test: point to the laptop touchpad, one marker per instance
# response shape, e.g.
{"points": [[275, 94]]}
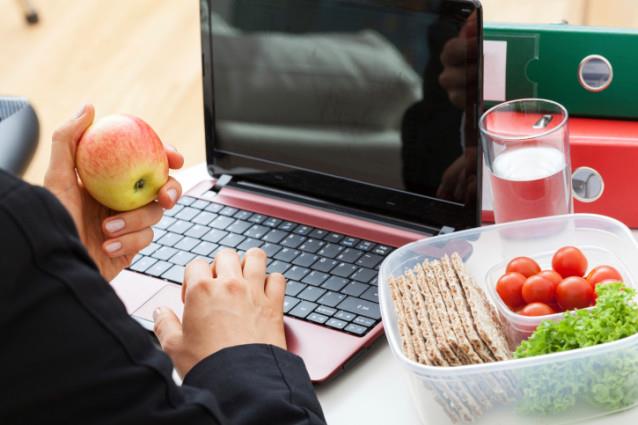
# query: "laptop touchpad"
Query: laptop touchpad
{"points": [[169, 296]]}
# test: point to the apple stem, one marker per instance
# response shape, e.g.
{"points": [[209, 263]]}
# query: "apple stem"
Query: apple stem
{"points": [[139, 184]]}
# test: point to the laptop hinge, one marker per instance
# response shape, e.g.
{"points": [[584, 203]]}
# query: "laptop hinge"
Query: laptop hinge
{"points": [[220, 182], [445, 230]]}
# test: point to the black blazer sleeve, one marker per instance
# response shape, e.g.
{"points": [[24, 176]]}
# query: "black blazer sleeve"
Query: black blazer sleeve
{"points": [[71, 354]]}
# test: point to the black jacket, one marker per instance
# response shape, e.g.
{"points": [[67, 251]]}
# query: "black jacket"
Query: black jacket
{"points": [[70, 354]]}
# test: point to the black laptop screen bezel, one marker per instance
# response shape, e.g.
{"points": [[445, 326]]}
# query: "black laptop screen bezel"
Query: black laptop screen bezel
{"points": [[398, 205]]}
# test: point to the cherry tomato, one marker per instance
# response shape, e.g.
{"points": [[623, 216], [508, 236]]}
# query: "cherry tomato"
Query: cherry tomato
{"points": [[509, 288], [574, 292], [537, 309], [539, 289], [569, 261], [523, 265], [551, 275], [600, 273]]}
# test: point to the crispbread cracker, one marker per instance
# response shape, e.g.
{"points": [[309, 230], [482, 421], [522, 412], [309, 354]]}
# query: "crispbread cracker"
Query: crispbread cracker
{"points": [[412, 321], [486, 321], [404, 331]]}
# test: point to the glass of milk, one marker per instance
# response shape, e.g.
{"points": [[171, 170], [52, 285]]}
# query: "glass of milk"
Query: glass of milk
{"points": [[526, 149]]}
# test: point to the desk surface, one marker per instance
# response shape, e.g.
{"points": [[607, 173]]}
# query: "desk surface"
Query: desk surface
{"points": [[375, 390]]}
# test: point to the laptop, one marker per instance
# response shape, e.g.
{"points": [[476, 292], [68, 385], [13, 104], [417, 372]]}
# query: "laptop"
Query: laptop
{"points": [[336, 131]]}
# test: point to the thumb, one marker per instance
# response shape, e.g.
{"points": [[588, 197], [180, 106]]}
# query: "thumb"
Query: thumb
{"points": [[65, 140], [168, 329]]}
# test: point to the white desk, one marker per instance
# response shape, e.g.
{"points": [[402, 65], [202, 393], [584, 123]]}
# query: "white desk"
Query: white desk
{"points": [[375, 390]]}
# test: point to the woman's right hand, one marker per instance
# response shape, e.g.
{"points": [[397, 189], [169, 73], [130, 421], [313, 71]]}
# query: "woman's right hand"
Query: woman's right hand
{"points": [[226, 304]]}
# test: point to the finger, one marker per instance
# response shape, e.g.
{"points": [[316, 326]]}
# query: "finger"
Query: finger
{"points": [[169, 193], [168, 329], [65, 140], [254, 269], [128, 244], [276, 289], [175, 159], [227, 264], [453, 78], [132, 221], [454, 52], [197, 270]]}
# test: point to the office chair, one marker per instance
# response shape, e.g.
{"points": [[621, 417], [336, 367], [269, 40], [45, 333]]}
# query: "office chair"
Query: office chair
{"points": [[19, 133]]}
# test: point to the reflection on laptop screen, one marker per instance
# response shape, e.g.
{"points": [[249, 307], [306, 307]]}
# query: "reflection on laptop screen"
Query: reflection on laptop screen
{"points": [[379, 92]]}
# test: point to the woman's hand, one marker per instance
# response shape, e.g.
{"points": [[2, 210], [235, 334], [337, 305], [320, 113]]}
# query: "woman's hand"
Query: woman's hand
{"points": [[226, 304], [112, 239]]}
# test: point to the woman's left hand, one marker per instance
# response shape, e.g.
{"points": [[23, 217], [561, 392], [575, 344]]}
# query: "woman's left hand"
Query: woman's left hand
{"points": [[112, 239]]}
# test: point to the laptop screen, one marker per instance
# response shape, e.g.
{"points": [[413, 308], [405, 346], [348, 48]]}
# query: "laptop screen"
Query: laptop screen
{"points": [[369, 104]]}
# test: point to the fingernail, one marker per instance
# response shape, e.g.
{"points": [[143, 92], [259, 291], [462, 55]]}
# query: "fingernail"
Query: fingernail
{"points": [[80, 112], [113, 246], [156, 313], [172, 193], [173, 148], [113, 226]]}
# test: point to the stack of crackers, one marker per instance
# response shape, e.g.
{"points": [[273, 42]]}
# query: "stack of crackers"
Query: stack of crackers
{"points": [[445, 320]]}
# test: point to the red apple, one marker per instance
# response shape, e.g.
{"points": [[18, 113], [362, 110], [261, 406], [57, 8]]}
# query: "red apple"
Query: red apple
{"points": [[122, 162]]}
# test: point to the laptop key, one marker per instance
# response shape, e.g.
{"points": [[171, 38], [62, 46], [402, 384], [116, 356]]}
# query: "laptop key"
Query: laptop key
{"points": [[287, 255], [243, 215], [303, 309], [250, 243], [369, 260], [200, 204], [371, 294], [374, 281], [187, 244], [187, 213], [143, 264], [326, 311], [311, 293], [305, 259], [360, 307], [318, 234], [158, 268], [315, 278], [330, 250], [302, 230], [157, 234], [232, 240], [257, 231], [344, 270], [345, 316], [215, 235], [257, 218], [356, 329], [228, 211], [182, 258], [170, 239], [363, 275], [335, 283], [293, 288], [296, 273], [186, 200], [197, 231], [278, 267], [271, 222], [333, 238], [336, 323], [355, 289], [165, 222], [164, 253], [221, 222], [180, 226], [271, 249], [312, 245], [331, 299], [275, 236], [239, 226], [293, 241], [350, 242], [324, 265], [151, 248], [204, 248], [174, 274], [317, 318], [382, 250], [177, 208], [349, 255], [289, 303], [365, 246], [214, 207], [287, 226], [364, 321]]}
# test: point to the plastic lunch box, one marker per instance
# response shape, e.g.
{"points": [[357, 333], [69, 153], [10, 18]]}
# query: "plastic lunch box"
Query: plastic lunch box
{"points": [[558, 388]]}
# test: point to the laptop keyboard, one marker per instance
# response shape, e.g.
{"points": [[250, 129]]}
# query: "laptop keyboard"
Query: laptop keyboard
{"points": [[332, 278]]}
